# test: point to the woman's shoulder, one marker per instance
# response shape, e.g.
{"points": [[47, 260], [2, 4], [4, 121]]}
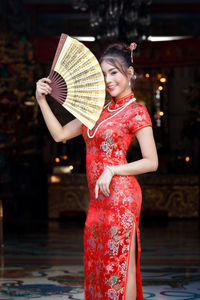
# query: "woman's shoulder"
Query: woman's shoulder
{"points": [[139, 112], [138, 108]]}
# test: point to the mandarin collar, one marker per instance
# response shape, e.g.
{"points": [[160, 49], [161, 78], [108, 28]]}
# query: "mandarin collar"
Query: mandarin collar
{"points": [[121, 101]]}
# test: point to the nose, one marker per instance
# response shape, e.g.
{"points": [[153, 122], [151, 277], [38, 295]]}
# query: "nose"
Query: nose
{"points": [[107, 78]]}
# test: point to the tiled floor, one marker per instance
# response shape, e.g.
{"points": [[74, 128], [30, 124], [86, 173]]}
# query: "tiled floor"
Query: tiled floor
{"points": [[45, 260]]}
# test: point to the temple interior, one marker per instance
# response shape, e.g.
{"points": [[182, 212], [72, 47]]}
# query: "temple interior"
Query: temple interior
{"points": [[44, 195]]}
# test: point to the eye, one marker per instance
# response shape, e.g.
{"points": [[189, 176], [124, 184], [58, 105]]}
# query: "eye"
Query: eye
{"points": [[113, 73]]}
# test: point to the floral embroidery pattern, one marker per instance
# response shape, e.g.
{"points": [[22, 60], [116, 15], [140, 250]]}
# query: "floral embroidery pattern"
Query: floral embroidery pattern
{"points": [[110, 221]]}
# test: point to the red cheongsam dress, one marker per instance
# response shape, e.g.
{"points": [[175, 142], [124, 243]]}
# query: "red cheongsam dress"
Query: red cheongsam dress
{"points": [[110, 221]]}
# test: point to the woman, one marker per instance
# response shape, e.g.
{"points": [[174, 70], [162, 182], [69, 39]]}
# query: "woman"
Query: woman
{"points": [[111, 234]]}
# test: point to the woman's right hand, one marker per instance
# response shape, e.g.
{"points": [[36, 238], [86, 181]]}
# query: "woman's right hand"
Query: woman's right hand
{"points": [[42, 89]]}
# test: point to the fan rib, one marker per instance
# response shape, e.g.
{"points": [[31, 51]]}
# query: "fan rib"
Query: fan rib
{"points": [[59, 87], [77, 81]]}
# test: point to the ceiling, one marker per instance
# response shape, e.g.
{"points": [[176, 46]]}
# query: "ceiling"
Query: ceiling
{"points": [[51, 17], [70, 1]]}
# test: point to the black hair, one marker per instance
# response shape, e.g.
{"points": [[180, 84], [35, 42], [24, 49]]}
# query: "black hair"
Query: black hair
{"points": [[118, 55]]}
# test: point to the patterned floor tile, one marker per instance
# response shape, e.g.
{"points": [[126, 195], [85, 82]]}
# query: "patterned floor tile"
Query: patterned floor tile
{"points": [[48, 264]]}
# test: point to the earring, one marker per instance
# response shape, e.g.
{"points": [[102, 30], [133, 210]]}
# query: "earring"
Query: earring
{"points": [[129, 83]]}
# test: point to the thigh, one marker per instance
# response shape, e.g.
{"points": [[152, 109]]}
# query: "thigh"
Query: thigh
{"points": [[132, 255]]}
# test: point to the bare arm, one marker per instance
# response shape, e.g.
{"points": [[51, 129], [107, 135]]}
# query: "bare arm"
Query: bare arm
{"points": [[148, 163], [58, 132]]}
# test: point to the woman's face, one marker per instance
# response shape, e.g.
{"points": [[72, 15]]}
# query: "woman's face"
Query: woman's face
{"points": [[117, 84]]}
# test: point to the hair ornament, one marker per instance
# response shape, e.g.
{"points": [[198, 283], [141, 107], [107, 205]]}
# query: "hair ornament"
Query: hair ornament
{"points": [[132, 47]]}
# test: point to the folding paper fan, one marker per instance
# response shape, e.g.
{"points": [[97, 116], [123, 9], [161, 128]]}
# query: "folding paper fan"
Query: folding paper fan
{"points": [[77, 81]]}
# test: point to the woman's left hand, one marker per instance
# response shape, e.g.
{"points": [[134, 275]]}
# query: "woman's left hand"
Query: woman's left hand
{"points": [[103, 182]]}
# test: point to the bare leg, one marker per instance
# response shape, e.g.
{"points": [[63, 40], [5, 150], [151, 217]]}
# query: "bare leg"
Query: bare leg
{"points": [[131, 292]]}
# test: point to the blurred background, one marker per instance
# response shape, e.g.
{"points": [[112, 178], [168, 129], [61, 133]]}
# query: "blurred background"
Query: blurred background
{"points": [[41, 179]]}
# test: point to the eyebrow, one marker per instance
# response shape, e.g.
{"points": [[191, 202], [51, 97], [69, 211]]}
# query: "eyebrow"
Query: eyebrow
{"points": [[110, 70]]}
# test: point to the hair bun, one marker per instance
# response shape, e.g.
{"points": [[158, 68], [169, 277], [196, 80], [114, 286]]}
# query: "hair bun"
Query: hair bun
{"points": [[120, 50], [122, 47]]}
